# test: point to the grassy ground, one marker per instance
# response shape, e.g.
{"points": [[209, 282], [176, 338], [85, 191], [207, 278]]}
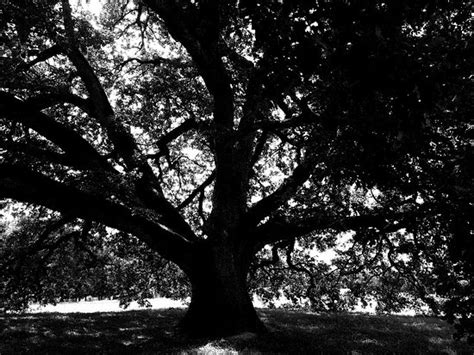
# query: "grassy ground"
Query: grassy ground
{"points": [[153, 331]]}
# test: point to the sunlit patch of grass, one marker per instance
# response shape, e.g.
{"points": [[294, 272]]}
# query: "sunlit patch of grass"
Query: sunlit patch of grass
{"points": [[154, 331]]}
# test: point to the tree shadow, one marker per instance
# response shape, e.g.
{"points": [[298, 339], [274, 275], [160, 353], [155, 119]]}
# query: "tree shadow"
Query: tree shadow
{"points": [[121, 332], [154, 331], [359, 333]]}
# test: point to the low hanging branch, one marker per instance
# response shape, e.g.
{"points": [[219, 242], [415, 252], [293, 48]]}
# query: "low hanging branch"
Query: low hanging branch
{"points": [[300, 268], [24, 185], [275, 259], [53, 227]]}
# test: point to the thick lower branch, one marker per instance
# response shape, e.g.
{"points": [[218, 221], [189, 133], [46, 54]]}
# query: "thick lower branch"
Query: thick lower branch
{"points": [[24, 185]]}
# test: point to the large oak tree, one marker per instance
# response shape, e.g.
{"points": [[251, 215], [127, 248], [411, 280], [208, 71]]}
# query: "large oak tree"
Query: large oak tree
{"points": [[212, 129]]}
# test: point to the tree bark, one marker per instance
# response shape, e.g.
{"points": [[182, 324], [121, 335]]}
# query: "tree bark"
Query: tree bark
{"points": [[220, 302]]}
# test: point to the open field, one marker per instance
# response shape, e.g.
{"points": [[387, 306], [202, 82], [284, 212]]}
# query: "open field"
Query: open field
{"points": [[102, 306], [153, 331]]}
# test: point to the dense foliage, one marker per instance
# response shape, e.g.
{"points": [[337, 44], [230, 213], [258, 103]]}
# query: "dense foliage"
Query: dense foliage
{"points": [[240, 140]]}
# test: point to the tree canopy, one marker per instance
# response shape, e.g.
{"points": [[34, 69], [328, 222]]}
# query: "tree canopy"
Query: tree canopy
{"points": [[239, 139]]}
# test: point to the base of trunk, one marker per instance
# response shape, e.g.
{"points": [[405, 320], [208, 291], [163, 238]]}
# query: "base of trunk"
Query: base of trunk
{"points": [[213, 321], [220, 308], [220, 303]]}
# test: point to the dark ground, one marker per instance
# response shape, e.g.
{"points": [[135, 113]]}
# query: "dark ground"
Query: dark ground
{"points": [[153, 331]]}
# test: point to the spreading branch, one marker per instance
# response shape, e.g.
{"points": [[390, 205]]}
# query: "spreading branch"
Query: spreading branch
{"points": [[65, 138], [148, 187], [33, 152], [164, 140], [198, 30], [42, 56], [153, 228], [123, 141], [46, 100], [157, 61], [199, 190], [277, 229], [287, 189]]}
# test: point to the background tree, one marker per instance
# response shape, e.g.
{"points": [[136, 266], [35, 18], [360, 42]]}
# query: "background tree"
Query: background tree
{"points": [[210, 130]]}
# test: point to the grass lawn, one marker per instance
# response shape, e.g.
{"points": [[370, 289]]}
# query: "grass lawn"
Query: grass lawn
{"points": [[153, 331]]}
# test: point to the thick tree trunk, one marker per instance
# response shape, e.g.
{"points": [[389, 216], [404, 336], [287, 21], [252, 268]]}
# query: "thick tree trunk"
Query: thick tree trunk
{"points": [[220, 303]]}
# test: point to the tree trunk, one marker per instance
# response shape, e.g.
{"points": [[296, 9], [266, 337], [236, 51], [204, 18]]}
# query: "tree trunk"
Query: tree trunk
{"points": [[220, 303]]}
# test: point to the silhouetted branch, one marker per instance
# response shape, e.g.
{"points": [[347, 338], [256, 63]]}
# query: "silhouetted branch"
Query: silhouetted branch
{"points": [[276, 229], [42, 101], [197, 191], [162, 142], [291, 184], [157, 61], [153, 227], [41, 57], [67, 139]]}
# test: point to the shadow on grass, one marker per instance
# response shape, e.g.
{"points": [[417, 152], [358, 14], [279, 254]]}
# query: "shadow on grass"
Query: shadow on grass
{"points": [[153, 331]]}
